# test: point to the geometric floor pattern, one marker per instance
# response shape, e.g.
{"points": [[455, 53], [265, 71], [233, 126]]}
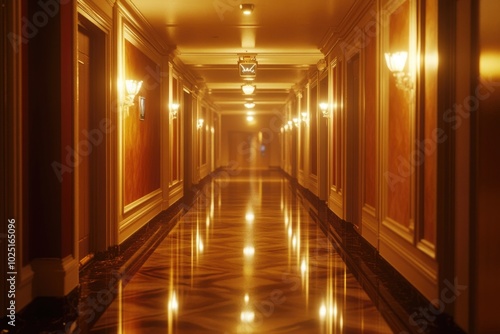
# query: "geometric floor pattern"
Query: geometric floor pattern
{"points": [[245, 258]]}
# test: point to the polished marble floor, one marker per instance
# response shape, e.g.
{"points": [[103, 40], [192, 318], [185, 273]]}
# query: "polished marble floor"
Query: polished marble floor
{"points": [[246, 258]]}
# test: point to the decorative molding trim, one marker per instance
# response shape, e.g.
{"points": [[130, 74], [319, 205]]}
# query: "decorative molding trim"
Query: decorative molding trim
{"points": [[415, 266], [94, 13], [175, 192], [139, 217], [135, 18], [141, 201], [335, 35], [404, 232]]}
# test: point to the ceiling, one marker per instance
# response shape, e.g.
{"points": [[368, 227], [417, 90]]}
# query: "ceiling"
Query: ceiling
{"points": [[209, 36]]}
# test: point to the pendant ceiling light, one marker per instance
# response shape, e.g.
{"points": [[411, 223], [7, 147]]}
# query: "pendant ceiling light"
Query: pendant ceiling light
{"points": [[248, 89], [246, 8]]}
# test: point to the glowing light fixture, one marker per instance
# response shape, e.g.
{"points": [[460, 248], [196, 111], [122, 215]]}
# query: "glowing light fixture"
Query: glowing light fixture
{"points": [[247, 8], [132, 87], [305, 116], [250, 118], [174, 109], [200, 123], [323, 106], [396, 63], [248, 89]]}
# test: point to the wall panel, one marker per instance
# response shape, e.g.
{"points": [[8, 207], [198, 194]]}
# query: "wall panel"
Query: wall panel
{"points": [[141, 137]]}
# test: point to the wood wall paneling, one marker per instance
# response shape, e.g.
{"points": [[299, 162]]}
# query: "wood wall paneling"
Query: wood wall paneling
{"points": [[370, 126], [399, 128], [141, 137], [427, 147], [313, 129]]}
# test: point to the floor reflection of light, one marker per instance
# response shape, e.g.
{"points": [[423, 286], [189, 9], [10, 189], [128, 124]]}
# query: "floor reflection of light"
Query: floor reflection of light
{"points": [[249, 251], [322, 311], [173, 304], [247, 316], [303, 266], [249, 217], [294, 242]]}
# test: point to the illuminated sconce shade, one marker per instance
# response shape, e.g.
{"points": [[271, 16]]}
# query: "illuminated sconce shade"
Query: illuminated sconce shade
{"points": [[132, 87], [324, 109], [396, 63], [246, 8], [249, 105], [200, 123], [174, 109], [248, 89], [305, 116]]}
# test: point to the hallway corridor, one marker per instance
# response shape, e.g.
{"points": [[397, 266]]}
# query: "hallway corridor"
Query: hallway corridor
{"points": [[246, 258]]}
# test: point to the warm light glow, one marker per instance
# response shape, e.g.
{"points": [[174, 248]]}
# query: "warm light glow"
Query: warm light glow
{"points": [[174, 108], [248, 89], [323, 106], [173, 304], [250, 118], [303, 266], [249, 217], [489, 66], [246, 8], [249, 251], [249, 105], [247, 298], [396, 61], [322, 311], [247, 316], [200, 123], [250, 113], [132, 88], [305, 116]]}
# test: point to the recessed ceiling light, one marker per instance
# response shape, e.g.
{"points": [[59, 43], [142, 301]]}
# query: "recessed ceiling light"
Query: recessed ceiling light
{"points": [[246, 8]]}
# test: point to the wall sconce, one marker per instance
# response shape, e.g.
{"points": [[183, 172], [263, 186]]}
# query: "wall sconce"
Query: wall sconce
{"points": [[304, 117], [132, 87], [174, 109], [248, 89], [200, 123], [396, 63], [324, 109]]}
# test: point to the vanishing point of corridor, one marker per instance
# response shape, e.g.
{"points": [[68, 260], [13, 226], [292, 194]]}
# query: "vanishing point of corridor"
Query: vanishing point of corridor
{"points": [[247, 257]]}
